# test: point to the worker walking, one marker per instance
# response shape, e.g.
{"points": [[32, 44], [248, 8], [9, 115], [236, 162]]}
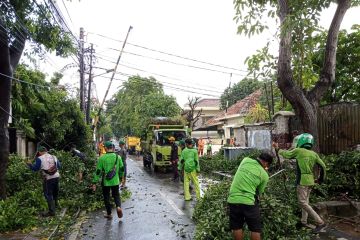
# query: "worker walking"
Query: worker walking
{"points": [[49, 165], [189, 161], [250, 180], [110, 169], [305, 159]]}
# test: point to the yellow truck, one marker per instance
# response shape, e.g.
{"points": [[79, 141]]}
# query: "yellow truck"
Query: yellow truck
{"points": [[131, 142]]}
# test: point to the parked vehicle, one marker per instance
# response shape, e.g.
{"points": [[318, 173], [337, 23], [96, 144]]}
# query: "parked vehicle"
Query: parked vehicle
{"points": [[156, 146], [131, 142]]}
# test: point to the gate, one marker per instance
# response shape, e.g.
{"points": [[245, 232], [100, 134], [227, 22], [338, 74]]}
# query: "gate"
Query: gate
{"points": [[339, 127]]}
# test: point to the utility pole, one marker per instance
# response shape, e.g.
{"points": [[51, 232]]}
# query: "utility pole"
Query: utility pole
{"points": [[81, 61], [112, 78], [88, 120]]}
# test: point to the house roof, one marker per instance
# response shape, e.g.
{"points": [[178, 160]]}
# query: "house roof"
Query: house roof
{"points": [[240, 108], [207, 103]]}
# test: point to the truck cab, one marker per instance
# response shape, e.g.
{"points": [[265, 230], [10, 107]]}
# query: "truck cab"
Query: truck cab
{"points": [[157, 148]]}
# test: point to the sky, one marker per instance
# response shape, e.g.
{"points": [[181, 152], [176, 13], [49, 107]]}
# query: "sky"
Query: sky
{"points": [[200, 30]]}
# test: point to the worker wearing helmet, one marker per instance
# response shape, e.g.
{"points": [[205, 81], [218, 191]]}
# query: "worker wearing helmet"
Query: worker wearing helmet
{"points": [[174, 157], [305, 159]]}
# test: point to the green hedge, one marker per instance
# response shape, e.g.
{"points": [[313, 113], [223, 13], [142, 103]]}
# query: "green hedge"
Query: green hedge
{"points": [[280, 211]]}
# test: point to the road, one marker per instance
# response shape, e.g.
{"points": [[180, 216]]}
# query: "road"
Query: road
{"points": [[156, 210]]}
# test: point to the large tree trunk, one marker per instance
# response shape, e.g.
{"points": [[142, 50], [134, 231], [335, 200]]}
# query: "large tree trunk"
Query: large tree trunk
{"points": [[5, 90], [9, 59], [306, 104]]}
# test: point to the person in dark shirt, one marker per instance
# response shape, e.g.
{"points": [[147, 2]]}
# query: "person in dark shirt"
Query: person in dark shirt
{"points": [[174, 158]]}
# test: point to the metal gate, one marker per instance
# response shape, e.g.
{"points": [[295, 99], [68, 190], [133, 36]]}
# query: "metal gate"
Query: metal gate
{"points": [[339, 127]]}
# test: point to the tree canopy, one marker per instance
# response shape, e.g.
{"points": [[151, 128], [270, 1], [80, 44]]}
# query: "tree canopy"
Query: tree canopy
{"points": [[139, 100], [239, 91], [45, 112], [299, 22], [346, 86]]}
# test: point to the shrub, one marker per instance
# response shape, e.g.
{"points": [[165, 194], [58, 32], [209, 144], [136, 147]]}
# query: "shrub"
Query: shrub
{"points": [[25, 197]]}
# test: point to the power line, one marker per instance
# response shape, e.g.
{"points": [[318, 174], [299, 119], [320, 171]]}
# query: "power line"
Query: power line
{"points": [[167, 86], [129, 75], [19, 80], [171, 54], [67, 11], [152, 73], [176, 63]]}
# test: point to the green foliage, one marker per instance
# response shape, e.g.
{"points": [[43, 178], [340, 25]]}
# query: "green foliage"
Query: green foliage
{"points": [[41, 29], [279, 219], [343, 175], [257, 114], [347, 73], [136, 103], [25, 197], [218, 163], [239, 91], [47, 111], [210, 214], [279, 207]]}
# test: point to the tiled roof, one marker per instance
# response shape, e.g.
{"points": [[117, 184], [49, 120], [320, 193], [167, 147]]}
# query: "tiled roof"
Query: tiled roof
{"points": [[207, 102], [241, 107]]}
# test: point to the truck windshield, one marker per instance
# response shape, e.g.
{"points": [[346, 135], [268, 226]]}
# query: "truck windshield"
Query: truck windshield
{"points": [[162, 137]]}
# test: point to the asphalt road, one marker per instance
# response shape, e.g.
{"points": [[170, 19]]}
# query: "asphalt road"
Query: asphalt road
{"points": [[156, 210]]}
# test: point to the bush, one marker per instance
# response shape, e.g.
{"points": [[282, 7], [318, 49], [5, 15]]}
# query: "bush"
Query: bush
{"points": [[279, 212], [279, 208], [343, 175], [25, 197], [218, 163]]}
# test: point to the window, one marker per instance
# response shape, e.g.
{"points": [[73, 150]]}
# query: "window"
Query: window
{"points": [[162, 137]]}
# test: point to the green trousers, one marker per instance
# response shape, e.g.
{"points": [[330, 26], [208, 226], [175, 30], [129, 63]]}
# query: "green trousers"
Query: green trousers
{"points": [[193, 177]]}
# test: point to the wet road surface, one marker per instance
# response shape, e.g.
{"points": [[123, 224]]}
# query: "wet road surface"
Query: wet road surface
{"points": [[156, 210]]}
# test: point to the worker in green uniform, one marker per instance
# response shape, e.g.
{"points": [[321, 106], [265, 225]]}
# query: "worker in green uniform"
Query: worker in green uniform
{"points": [[110, 169], [249, 181], [305, 159], [189, 161]]}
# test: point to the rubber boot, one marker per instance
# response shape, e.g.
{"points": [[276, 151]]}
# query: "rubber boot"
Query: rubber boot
{"points": [[51, 206]]}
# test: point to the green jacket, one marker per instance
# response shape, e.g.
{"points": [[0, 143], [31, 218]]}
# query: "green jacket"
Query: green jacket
{"points": [[250, 180], [306, 159], [104, 165], [189, 160]]}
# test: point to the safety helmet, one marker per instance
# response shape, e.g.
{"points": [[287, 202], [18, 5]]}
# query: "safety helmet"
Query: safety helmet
{"points": [[171, 138], [182, 142], [305, 140], [121, 142]]}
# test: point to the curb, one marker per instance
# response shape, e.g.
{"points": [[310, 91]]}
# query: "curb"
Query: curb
{"points": [[76, 227]]}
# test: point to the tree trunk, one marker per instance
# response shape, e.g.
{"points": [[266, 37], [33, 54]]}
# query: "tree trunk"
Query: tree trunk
{"points": [[5, 90], [306, 104], [9, 59]]}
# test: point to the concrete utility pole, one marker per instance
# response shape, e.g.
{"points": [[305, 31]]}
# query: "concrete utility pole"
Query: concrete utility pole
{"points": [[81, 61], [112, 78], [88, 108]]}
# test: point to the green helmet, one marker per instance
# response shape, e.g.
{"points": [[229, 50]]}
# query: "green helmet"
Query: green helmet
{"points": [[305, 140], [182, 142], [121, 142]]}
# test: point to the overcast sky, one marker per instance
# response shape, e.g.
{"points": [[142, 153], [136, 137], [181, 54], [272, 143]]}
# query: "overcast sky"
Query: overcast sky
{"points": [[196, 29]]}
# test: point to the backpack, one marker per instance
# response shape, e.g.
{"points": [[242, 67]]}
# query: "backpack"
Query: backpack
{"points": [[52, 170]]}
